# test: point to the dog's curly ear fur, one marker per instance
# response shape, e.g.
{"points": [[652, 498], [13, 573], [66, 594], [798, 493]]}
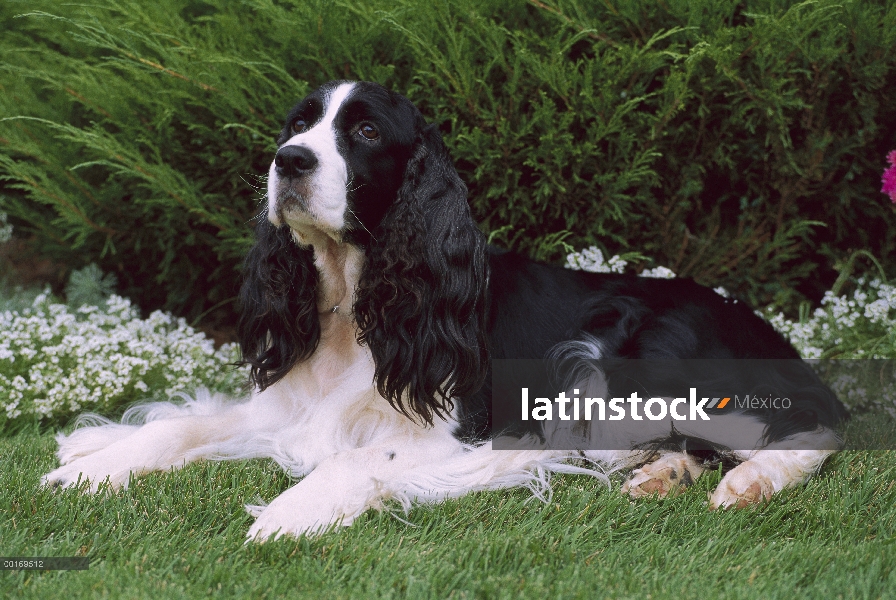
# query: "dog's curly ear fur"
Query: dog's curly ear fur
{"points": [[421, 301], [278, 324]]}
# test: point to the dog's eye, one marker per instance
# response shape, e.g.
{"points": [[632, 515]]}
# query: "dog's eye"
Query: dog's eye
{"points": [[299, 126], [369, 131]]}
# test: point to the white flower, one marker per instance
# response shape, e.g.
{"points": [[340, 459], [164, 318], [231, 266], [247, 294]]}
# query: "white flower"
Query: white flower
{"points": [[54, 360], [659, 273], [592, 260]]}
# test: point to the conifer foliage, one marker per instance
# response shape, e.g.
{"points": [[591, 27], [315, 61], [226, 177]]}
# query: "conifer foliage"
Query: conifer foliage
{"points": [[739, 143]]}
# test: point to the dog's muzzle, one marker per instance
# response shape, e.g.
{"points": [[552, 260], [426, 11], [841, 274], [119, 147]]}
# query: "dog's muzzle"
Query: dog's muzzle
{"points": [[293, 166]]}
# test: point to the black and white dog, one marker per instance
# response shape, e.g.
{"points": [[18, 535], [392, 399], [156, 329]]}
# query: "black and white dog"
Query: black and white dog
{"points": [[372, 307]]}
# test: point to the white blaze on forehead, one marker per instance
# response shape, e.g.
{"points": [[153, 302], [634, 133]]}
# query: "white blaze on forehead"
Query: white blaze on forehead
{"points": [[326, 201], [323, 130]]}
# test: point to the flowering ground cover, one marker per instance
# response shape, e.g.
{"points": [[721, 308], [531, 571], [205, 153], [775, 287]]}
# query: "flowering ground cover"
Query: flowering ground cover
{"points": [[56, 361]]}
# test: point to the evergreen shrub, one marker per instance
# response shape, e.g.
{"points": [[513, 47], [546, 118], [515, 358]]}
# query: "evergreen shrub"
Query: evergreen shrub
{"points": [[736, 142]]}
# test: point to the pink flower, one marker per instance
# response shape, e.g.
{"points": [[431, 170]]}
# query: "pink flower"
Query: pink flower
{"points": [[889, 177]]}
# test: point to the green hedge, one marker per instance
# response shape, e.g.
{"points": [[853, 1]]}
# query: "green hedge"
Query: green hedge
{"points": [[739, 143]]}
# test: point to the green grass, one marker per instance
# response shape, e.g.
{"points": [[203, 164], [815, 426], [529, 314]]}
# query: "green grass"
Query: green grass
{"points": [[180, 535]]}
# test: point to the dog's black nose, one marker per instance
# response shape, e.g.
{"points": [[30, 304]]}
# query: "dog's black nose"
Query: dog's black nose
{"points": [[294, 161]]}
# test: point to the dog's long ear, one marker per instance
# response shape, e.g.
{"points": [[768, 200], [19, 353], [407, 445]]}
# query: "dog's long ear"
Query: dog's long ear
{"points": [[421, 301], [278, 324]]}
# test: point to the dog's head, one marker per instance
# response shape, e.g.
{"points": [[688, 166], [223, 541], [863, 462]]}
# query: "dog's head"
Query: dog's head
{"points": [[357, 164], [342, 157]]}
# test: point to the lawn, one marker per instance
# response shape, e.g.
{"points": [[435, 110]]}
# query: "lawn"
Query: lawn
{"points": [[181, 534]]}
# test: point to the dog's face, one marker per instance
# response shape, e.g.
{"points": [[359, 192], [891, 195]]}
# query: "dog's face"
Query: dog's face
{"points": [[341, 160]]}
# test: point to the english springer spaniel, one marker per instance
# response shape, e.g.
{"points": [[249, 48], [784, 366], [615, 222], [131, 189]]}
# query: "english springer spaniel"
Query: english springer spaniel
{"points": [[372, 310]]}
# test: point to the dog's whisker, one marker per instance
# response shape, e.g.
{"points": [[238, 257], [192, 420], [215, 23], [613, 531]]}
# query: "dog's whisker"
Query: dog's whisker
{"points": [[362, 225], [258, 187]]}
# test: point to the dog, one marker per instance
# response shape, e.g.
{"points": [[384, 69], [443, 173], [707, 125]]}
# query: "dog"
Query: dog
{"points": [[372, 309]]}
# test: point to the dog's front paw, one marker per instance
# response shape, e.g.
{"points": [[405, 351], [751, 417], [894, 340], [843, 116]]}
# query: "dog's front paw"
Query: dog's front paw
{"points": [[279, 522], [283, 519], [743, 486], [304, 510], [87, 474]]}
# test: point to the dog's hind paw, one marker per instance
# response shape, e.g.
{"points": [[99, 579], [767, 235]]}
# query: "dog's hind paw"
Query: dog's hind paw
{"points": [[667, 476], [743, 486]]}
